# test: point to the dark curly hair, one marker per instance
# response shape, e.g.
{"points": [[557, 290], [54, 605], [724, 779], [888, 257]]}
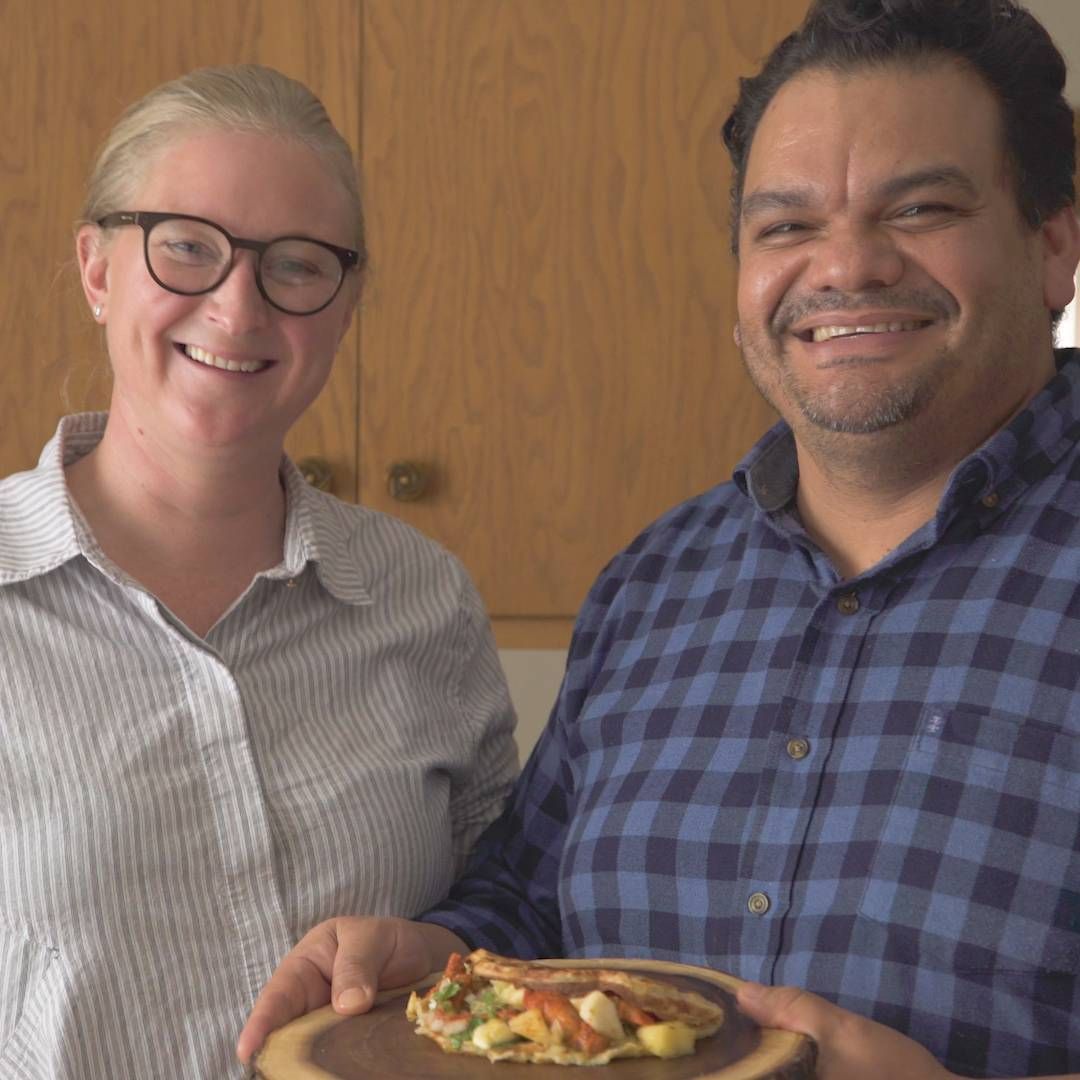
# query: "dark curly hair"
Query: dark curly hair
{"points": [[998, 39]]}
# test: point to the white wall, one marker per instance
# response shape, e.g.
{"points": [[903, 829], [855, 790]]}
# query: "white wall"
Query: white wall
{"points": [[1062, 19], [534, 676]]}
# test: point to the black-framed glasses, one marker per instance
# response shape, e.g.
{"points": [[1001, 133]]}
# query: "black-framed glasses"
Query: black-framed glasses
{"points": [[191, 256]]}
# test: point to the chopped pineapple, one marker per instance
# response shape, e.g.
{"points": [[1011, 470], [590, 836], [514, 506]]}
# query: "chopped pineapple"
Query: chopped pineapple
{"points": [[412, 1009], [669, 1039], [512, 995], [492, 1033], [531, 1025], [598, 1011]]}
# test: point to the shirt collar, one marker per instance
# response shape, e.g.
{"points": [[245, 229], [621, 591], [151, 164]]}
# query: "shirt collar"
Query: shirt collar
{"points": [[1028, 447], [40, 529], [322, 531], [769, 474], [1007, 463]]}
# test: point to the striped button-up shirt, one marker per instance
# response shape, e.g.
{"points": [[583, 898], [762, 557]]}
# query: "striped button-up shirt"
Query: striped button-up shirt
{"points": [[869, 788], [175, 812]]}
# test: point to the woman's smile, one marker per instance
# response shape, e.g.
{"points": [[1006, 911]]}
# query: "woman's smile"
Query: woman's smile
{"points": [[223, 363]]}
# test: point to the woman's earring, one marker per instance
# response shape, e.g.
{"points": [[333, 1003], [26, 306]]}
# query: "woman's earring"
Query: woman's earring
{"points": [[97, 311]]}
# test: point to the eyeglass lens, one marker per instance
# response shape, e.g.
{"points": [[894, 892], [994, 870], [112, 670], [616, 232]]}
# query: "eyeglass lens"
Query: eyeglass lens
{"points": [[194, 257]]}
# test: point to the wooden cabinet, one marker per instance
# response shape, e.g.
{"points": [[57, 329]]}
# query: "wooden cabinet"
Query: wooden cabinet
{"points": [[547, 325]]}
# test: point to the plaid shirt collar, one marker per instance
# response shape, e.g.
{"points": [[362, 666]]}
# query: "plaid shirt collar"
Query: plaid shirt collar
{"points": [[984, 483]]}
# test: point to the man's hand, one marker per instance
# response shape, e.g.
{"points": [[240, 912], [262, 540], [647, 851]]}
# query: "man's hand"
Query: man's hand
{"points": [[850, 1047], [346, 961]]}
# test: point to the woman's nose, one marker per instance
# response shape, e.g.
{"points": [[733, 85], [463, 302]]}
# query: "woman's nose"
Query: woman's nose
{"points": [[236, 304]]}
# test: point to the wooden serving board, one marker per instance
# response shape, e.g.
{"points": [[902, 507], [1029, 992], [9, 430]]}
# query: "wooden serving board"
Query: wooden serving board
{"points": [[382, 1043]]}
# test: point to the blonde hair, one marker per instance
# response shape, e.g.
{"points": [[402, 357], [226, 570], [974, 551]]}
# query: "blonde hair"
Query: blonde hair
{"points": [[242, 97]]}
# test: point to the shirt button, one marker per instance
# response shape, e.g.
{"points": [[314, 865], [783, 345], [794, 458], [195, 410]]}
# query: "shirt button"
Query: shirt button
{"points": [[291, 583], [758, 903], [848, 604], [798, 749], [991, 500]]}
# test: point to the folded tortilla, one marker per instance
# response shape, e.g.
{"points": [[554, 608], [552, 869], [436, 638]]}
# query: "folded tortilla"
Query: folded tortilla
{"points": [[511, 1010]]}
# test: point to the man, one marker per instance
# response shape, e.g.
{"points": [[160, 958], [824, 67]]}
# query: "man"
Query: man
{"points": [[820, 727]]}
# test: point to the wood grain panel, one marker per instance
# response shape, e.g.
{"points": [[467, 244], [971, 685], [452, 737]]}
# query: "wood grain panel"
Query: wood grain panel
{"points": [[552, 305], [66, 72]]}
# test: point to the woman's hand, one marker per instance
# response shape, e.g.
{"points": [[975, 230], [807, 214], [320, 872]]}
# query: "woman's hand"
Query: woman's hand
{"points": [[346, 961], [850, 1047]]}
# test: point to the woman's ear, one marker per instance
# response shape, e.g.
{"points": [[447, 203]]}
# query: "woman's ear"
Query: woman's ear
{"points": [[92, 253]]}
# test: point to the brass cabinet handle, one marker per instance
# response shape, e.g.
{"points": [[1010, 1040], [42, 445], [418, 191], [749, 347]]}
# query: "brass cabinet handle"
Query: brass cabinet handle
{"points": [[407, 481], [317, 472]]}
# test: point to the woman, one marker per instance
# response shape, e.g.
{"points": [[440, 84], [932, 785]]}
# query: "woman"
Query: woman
{"points": [[216, 677]]}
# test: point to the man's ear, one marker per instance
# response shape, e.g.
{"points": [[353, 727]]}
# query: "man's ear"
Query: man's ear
{"points": [[1061, 252], [92, 253]]}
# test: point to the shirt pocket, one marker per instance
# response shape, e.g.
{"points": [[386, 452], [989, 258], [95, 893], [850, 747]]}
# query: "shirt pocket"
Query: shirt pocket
{"points": [[28, 970], [977, 867]]}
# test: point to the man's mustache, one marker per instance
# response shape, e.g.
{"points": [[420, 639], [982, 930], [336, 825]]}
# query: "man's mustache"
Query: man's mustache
{"points": [[927, 303]]}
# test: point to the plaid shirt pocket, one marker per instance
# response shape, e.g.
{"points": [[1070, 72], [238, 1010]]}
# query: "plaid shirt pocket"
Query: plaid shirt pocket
{"points": [[977, 867]]}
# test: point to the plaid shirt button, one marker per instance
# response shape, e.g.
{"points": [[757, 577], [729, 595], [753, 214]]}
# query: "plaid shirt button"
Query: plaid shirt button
{"points": [[758, 903], [798, 749], [848, 604]]}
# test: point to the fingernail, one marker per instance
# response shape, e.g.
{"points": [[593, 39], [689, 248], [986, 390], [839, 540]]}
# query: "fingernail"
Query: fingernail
{"points": [[351, 999]]}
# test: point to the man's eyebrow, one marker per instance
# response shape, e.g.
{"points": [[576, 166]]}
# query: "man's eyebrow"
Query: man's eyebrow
{"points": [[759, 202], [934, 176]]}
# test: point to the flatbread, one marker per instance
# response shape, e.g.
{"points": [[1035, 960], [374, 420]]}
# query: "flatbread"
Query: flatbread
{"points": [[641, 1016]]}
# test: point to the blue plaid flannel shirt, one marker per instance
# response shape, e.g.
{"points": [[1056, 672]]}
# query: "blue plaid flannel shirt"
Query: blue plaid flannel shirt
{"points": [[869, 788]]}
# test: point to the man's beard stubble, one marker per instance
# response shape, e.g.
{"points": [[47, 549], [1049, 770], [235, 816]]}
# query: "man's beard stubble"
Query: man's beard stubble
{"points": [[852, 405], [856, 408]]}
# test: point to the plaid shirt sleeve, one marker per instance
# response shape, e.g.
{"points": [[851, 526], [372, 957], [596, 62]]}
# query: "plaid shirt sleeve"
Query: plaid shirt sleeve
{"points": [[869, 788]]}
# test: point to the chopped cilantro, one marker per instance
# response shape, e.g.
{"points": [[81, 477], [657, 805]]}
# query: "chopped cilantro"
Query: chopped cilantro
{"points": [[457, 1040], [486, 1004], [445, 993]]}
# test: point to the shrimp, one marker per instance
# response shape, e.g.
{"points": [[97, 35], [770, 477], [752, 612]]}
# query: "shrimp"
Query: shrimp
{"points": [[633, 1014], [456, 972], [558, 1010]]}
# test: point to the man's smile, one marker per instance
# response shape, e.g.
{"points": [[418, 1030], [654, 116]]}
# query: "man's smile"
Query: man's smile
{"points": [[827, 333], [831, 325]]}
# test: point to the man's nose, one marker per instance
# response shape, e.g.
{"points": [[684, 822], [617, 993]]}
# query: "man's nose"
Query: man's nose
{"points": [[236, 304], [855, 257]]}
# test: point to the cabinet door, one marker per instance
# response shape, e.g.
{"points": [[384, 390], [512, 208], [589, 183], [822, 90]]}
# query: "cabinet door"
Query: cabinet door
{"points": [[67, 72], [548, 329]]}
